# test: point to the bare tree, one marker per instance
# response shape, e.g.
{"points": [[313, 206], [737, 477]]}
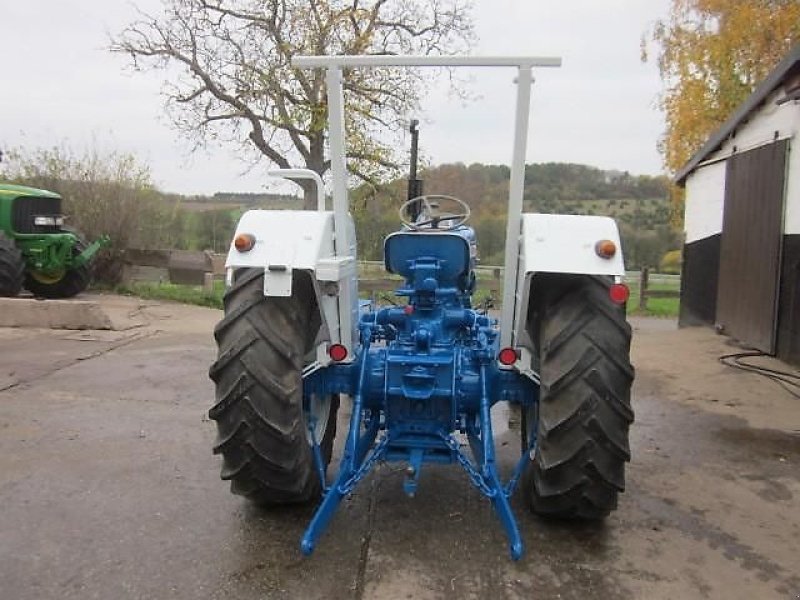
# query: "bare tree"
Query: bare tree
{"points": [[234, 80]]}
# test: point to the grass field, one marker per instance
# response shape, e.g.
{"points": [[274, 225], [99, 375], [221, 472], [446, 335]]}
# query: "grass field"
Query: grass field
{"points": [[656, 307], [188, 294]]}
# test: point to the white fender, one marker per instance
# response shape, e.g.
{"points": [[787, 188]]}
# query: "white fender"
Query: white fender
{"points": [[565, 244], [286, 240], [559, 244]]}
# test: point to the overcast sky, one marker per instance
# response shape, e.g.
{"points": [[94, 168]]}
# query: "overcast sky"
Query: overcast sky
{"points": [[60, 85]]}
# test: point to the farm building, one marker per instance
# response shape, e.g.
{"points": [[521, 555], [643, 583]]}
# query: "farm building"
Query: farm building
{"points": [[741, 269]]}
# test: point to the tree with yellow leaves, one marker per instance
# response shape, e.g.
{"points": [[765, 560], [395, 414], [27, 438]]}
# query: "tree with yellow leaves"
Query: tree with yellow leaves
{"points": [[711, 55]]}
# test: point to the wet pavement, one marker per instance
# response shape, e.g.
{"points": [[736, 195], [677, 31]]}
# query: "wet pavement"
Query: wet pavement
{"points": [[109, 488]]}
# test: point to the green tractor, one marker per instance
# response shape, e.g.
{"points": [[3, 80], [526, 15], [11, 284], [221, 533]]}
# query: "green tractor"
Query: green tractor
{"points": [[36, 251]]}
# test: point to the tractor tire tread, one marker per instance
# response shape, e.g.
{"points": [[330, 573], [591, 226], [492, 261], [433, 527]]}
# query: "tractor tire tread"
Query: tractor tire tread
{"points": [[12, 267], [259, 394], [584, 409]]}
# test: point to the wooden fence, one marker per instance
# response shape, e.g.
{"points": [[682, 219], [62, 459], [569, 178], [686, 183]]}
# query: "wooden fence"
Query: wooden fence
{"points": [[374, 280], [645, 292], [175, 266], [201, 268]]}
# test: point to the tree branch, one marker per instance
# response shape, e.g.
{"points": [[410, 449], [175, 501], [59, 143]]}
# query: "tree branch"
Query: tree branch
{"points": [[236, 56]]}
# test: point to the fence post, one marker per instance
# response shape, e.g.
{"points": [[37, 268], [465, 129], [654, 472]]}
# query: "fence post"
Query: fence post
{"points": [[208, 282], [643, 281]]}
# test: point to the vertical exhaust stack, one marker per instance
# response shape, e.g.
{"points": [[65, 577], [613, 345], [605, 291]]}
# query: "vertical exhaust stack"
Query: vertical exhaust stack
{"points": [[414, 184]]}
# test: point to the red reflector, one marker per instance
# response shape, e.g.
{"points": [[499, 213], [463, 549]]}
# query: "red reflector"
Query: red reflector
{"points": [[408, 309], [619, 293], [337, 352], [507, 356]]}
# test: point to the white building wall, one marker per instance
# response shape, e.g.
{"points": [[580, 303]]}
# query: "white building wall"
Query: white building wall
{"points": [[791, 223], [766, 124], [705, 199]]}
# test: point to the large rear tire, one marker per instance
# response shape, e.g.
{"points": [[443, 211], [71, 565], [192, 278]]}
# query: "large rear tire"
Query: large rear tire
{"points": [[12, 267], [584, 410], [261, 425]]}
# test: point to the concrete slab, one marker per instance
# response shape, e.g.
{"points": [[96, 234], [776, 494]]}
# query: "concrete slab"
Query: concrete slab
{"points": [[34, 353], [52, 314], [84, 312]]}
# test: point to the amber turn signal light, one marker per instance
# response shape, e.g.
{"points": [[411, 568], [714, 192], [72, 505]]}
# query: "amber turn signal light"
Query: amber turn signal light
{"points": [[244, 242], [605, 249]]}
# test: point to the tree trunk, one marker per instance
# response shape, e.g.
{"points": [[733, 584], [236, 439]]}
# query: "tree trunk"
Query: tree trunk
{"points": [[315, 162], [309, 193]]}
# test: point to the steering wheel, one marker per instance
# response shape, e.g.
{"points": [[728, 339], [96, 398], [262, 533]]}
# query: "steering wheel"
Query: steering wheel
{"points": [[431, 215]]}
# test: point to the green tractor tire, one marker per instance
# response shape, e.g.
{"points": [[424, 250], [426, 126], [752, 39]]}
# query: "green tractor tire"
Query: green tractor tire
{"points": [[62, 284], [12, 267]]}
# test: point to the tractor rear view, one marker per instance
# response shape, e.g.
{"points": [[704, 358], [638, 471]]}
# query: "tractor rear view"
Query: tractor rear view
{"points": [[422, 377]]}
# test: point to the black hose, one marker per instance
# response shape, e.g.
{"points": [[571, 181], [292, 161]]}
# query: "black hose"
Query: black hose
{"points": [[785, 379]]}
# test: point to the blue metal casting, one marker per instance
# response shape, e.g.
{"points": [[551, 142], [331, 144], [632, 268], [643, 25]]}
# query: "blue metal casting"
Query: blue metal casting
{"points": [[425, 376]]}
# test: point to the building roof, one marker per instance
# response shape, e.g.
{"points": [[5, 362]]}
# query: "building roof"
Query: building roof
{"points": [[789, 66]]}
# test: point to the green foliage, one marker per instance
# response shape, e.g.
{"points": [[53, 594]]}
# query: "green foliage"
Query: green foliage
{"points": [[711, 55], [261, 200], [639, 203], [645, 247], [213, 229], [375, 213], [656, 307], [491, 233], [111, 193], [186, 294], [104, 194], [671, 262], [553, 183]]}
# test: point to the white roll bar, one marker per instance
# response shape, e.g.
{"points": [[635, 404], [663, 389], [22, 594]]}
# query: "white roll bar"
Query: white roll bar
{"points": [[524, 65], [393, 60], [303, 174]]}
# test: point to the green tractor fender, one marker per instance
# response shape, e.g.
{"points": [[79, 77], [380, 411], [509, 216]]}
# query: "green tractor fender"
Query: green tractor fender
{"points": [[55, 252], [88, 253]]}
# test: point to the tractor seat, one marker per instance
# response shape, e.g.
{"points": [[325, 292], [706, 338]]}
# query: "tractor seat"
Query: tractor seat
{"points": [[402, 248]]}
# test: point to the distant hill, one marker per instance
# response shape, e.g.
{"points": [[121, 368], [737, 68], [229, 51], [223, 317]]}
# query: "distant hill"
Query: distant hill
{"points": [[236, 201], [639, 203], [639, 200], [260, 200]]}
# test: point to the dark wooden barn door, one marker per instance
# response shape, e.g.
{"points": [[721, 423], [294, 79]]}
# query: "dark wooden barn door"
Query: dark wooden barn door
{"points": [[751, 245]]}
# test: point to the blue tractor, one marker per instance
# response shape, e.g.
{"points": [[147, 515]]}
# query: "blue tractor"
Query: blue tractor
{"points": [[423, 375]]}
